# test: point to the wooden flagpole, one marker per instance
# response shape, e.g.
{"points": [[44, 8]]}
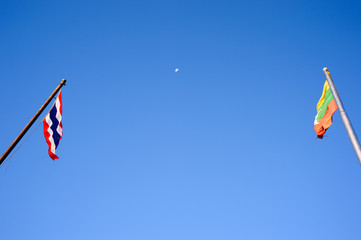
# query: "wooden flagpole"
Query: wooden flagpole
{"points": [[27, 127]]}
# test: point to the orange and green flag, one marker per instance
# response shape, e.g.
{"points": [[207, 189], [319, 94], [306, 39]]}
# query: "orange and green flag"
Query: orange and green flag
{"points": [[326, 107]]}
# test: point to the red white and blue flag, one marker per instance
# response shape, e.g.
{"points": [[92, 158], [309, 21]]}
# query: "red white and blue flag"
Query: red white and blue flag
{"points": [[53, 128]]}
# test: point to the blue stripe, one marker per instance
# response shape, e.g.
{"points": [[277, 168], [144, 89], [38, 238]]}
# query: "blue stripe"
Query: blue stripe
{"points": [[54, 126]]}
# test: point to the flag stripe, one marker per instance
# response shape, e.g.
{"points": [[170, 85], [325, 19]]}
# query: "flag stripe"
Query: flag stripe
{"points": [[322, 99], [54, 125], [323, 108], [49, 140], [326, 121]]}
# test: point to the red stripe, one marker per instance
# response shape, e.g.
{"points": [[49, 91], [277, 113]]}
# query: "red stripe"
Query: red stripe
{"points": [[61, 103], [61, 112], [47, 137], [61, 125]]}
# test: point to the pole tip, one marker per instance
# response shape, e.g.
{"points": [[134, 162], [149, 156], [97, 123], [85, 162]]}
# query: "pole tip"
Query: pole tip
{"points": [[63, 81], [325, 69]]}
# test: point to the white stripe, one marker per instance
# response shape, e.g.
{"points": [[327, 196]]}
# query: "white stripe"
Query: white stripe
{"points": [[58, 116], [59, 130], [50, 123], [57, 105], [315, 122]]}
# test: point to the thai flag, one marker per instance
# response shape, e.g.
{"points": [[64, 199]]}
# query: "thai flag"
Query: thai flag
{"points": [[53, 129]]}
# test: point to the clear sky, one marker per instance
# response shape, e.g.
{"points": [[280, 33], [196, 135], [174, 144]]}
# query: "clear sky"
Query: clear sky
{"points": [[222, 149]]}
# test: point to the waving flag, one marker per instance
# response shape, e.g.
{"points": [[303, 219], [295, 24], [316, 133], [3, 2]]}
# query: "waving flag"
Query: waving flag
{"points": [[53, 129], [326, 107]]}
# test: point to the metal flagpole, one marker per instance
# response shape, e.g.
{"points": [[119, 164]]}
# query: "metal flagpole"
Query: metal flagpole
{"points": [[346, 121], [17, 140]]}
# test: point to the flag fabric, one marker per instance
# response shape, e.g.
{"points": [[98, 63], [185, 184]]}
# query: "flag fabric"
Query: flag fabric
{"points": [[53, 128], [326, 107]]}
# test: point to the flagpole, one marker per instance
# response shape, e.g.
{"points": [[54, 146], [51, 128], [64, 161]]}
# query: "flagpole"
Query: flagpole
{"points": [[346, 121], [17, 140]]}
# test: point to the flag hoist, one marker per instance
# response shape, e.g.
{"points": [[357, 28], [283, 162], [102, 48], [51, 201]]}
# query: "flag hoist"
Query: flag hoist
{"points": [[52, 121], [327, 105]]}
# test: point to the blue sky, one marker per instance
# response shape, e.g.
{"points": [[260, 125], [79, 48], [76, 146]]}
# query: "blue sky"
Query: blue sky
{"points": [[222, 149]]}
